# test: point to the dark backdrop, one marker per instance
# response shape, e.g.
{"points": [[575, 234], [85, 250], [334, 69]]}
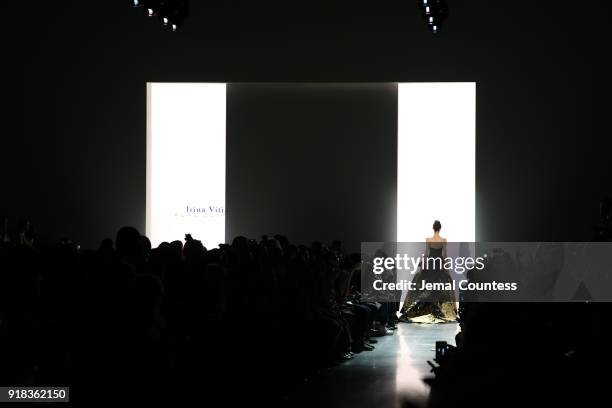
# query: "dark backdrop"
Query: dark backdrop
{"points": [[73, 101], [314, 161]]}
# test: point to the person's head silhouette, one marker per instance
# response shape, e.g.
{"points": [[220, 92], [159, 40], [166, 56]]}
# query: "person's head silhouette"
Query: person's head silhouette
{"points": [[437, 226]]}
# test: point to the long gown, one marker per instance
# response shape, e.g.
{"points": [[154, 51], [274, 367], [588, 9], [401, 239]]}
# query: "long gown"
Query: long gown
{"points": [[428, 306]]}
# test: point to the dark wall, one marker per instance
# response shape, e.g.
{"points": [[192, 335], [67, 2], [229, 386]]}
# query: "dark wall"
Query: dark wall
{"points": [[73, 103], [313, 161]]}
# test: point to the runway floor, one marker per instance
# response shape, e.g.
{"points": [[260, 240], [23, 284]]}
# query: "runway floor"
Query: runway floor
{"points": [[384, 377]]}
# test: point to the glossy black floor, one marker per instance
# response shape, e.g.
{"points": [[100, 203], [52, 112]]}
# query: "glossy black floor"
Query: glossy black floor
{"points": [[384, 377]]}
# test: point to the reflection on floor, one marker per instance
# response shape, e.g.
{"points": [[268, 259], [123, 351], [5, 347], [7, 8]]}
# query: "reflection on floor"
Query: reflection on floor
{"points": [[384, 377]]}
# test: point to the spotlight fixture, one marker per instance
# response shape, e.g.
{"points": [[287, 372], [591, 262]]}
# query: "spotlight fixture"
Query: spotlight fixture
{"points": [[171, 13], [151, 7], [434, 13]]}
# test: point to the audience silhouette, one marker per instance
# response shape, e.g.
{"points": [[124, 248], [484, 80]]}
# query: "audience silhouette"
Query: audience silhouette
{"points": [[250, 321], [177, 320]]}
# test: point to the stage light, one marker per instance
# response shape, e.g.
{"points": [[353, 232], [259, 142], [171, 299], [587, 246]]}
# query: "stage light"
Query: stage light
{"points": [[180, 11], [165, 11], [136, 3], [173, 13], [152, 7]]}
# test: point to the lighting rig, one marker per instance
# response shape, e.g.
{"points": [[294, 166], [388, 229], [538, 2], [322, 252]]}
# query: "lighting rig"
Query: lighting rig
{"points": [[434, 13], [171, 13]]}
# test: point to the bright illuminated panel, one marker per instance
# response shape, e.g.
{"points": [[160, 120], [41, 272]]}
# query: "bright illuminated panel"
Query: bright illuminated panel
{"points": [[436, 172], [186, 162]]}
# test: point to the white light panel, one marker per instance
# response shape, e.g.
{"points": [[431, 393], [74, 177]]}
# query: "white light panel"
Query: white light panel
{"points": [[436, 171], [186, 125]]}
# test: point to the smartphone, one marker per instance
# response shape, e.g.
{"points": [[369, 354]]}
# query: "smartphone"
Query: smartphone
{"points": [[441, 348]]}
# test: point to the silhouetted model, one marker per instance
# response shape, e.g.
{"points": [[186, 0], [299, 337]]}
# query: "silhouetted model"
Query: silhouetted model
{"points": [[425, 305]]}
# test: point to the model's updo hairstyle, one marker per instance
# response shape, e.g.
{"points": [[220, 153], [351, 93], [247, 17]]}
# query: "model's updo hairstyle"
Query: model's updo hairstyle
{"points": [[437, 226]]}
